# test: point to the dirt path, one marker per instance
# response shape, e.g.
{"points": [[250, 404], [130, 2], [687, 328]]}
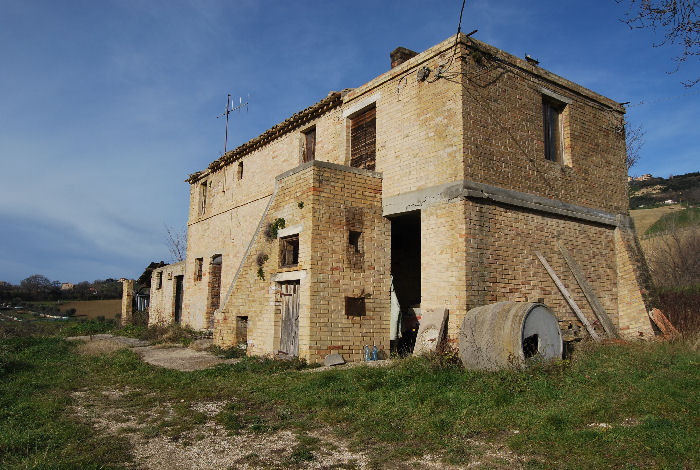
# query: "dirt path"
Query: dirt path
{"points": [[163, 436], [170, 356]]}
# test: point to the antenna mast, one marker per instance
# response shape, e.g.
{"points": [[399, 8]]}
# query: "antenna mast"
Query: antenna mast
{"points": [[229, 109]]}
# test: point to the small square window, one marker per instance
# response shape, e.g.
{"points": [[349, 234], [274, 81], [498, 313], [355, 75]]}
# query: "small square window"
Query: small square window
{"points": [[289, 251], [355, 306], [198, 269]]}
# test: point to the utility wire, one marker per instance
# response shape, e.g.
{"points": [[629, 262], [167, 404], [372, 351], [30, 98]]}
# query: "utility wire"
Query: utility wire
{"points": [[659, 100]]}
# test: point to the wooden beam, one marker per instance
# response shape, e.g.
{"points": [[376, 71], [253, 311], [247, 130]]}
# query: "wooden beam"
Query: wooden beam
{"points": [[593, 300], [567, 297]]}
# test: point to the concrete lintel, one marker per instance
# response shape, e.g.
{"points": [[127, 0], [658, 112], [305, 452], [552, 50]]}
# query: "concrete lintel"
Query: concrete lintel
{"points": [[556, 96], [332, 166], [289, 276], [360, 105], [420, 199], [292, 230]]}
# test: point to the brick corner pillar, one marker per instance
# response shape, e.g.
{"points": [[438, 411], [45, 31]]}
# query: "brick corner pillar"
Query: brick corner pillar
{"points": [[633, 281], [127, 301]]}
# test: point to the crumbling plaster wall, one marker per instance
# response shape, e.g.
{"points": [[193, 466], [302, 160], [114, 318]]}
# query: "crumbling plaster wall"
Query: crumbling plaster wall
{"points": [[161, 308], [234, 208]]}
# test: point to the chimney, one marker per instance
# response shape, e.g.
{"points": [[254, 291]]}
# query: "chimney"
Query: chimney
{"points": [[401, 55]]}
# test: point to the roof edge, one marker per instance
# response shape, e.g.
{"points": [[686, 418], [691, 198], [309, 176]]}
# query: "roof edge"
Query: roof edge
{"points": [[333, 100]]}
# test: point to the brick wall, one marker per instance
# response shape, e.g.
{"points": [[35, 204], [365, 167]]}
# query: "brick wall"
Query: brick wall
{"points": [[334, 200], [480, 120]]}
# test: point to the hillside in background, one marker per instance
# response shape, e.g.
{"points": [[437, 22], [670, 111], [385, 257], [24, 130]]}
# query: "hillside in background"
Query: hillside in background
{"points": [[655, 191]]}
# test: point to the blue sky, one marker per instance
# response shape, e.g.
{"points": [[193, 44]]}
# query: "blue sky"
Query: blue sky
{"points": [[107, 106]]}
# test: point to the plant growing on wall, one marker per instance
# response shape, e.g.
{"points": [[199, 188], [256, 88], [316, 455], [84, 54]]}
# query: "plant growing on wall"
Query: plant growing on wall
{"points": [[261, 273], [273, 227], [261, 258]]}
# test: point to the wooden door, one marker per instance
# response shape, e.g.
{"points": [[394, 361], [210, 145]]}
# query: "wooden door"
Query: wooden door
{"points": [[289, 335]]}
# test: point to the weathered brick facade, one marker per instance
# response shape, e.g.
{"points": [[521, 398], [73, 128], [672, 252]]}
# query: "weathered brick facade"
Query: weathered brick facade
{"points": [[460, 144]]}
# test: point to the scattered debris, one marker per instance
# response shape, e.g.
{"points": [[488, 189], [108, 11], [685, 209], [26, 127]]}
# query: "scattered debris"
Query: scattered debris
{"points": [[663, 323], [334, 359]]}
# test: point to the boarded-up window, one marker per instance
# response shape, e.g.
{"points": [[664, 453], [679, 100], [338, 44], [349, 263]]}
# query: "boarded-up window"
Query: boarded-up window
{"points": [[240, 171], [355, 306], [198, 269], [553, 138], [363, 141], [310, 145], [289, 251]]}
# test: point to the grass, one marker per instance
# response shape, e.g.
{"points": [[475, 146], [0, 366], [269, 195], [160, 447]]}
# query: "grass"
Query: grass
{"points": [[627, 406], [687, 217], [645, 218]]}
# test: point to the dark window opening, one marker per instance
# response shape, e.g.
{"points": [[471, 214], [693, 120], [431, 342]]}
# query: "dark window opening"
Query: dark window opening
{"points": [[552, 118], [240, 171], [531, 346], [159, 280], [363, 140], [242, 332], [289, 251], [310, 145], [198, 269], [203, 197], [355, 306], [354, 240]]}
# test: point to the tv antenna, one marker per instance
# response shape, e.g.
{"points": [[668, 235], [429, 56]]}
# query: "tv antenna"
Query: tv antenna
{"points": [[231, 108]]}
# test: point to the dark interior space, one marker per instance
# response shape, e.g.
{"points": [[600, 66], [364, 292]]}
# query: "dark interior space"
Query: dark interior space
{"points": [[405, 269]]}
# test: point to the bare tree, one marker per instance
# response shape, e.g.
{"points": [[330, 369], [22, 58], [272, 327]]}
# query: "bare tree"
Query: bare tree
{"points": [[177, 243], [676, 19], [634, 140], [674, 257]]}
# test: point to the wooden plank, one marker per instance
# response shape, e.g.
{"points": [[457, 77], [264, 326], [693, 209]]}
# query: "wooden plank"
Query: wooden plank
{"points": [[663, 323], [593, 300], [567, 296]]}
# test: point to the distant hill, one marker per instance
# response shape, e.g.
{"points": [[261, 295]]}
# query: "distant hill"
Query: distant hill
{"points": [[654, 191]]}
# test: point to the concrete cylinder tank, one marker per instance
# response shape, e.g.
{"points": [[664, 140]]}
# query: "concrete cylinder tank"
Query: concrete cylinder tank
{"points": [[508, 334]]}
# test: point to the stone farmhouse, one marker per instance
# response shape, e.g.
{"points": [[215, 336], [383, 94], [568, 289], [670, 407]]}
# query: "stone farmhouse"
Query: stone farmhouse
{"points": [[442, 177]]}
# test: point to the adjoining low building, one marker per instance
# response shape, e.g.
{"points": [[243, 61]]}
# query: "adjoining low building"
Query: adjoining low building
{"points": [[165, 300], [443, 178]]}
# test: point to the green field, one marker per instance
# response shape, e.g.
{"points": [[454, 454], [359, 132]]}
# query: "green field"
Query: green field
{"points": [[630, 405], [681, 219]]}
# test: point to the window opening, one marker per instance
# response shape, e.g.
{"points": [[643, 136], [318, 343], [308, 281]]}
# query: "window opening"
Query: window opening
{"points": [[202, 198], [354, 240], [355, 306], [198, 269], [363, 140], [240, 171], [553, 129], [159, 279], [310, 145], [289, 251]]}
